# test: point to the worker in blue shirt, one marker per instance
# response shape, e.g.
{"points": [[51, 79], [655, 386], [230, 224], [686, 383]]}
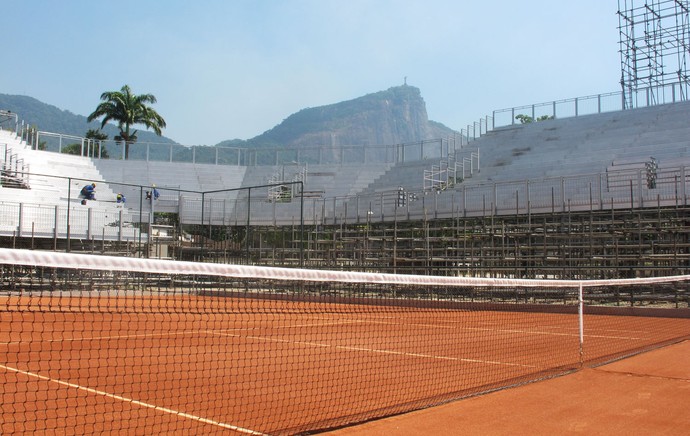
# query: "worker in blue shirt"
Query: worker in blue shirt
{"points": [[155, 194], [89, 192]]}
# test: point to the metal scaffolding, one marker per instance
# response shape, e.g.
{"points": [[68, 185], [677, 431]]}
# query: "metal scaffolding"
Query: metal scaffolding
{"points": [[654, 42]]}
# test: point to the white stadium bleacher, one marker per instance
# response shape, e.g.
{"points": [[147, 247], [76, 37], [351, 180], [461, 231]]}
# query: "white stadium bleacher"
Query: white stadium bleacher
{"points": [[555, 164], [53, 184], [591, 161]]}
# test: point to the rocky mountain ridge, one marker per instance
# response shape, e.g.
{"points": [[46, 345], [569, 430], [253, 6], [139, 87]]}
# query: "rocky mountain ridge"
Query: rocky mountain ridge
{"points": [[394, 116]]}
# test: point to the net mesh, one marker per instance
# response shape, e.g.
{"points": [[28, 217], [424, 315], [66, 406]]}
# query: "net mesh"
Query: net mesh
{"points": [[92, 344]]}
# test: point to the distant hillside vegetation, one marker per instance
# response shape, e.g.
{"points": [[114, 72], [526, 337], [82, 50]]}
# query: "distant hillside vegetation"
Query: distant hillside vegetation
{"points": [[395, 116]]}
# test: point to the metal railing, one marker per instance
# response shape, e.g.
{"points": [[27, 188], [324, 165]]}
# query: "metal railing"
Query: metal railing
{"points": [[87, 147], [591, 104], [317, 155]]}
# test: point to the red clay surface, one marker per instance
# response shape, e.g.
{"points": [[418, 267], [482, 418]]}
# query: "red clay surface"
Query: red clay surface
{"points": [[196, 365], [647, 394]]}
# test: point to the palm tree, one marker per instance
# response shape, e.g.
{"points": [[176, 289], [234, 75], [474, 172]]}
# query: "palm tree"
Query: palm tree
{"points": [[128, 109]]}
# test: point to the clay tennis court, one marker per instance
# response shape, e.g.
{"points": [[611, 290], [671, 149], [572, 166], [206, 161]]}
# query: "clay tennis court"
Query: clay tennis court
{"points": [[641, 395], [190, 364]]}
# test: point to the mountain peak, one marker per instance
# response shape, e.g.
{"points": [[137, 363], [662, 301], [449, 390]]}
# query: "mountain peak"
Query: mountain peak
{"points": [[396, 115]]}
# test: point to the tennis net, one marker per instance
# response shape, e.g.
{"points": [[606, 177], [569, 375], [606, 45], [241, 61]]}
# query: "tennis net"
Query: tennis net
{"points": [[93, 344]]}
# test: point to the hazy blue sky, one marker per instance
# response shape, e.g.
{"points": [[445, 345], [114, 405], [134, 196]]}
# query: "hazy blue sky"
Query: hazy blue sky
{"points": [[224, 69]]}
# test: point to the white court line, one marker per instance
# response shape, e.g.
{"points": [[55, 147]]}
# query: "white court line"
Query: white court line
{"points": [[341, 322], [109, 338], [359, 321], [537, 332], [487, 329], [321, 324], [528, 332], [135, 402], [370, 350], [161, 335]]}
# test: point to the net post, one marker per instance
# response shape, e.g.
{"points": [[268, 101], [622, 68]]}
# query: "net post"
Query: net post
{"points": [[580, 313], [301, 224], [69, 206]]}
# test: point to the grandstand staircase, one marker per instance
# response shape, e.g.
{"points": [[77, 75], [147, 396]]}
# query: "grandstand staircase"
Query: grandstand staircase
{"points": [[451, 171], [284, 187], [14, 172]]}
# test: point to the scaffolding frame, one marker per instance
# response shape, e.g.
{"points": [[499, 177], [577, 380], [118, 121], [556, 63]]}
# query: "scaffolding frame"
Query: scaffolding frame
{"points": [[654, 43]]}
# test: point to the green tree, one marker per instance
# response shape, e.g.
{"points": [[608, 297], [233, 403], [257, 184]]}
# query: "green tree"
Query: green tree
{"points": [[128, 109], [97, 136], [74, 149], [526, 119]]}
